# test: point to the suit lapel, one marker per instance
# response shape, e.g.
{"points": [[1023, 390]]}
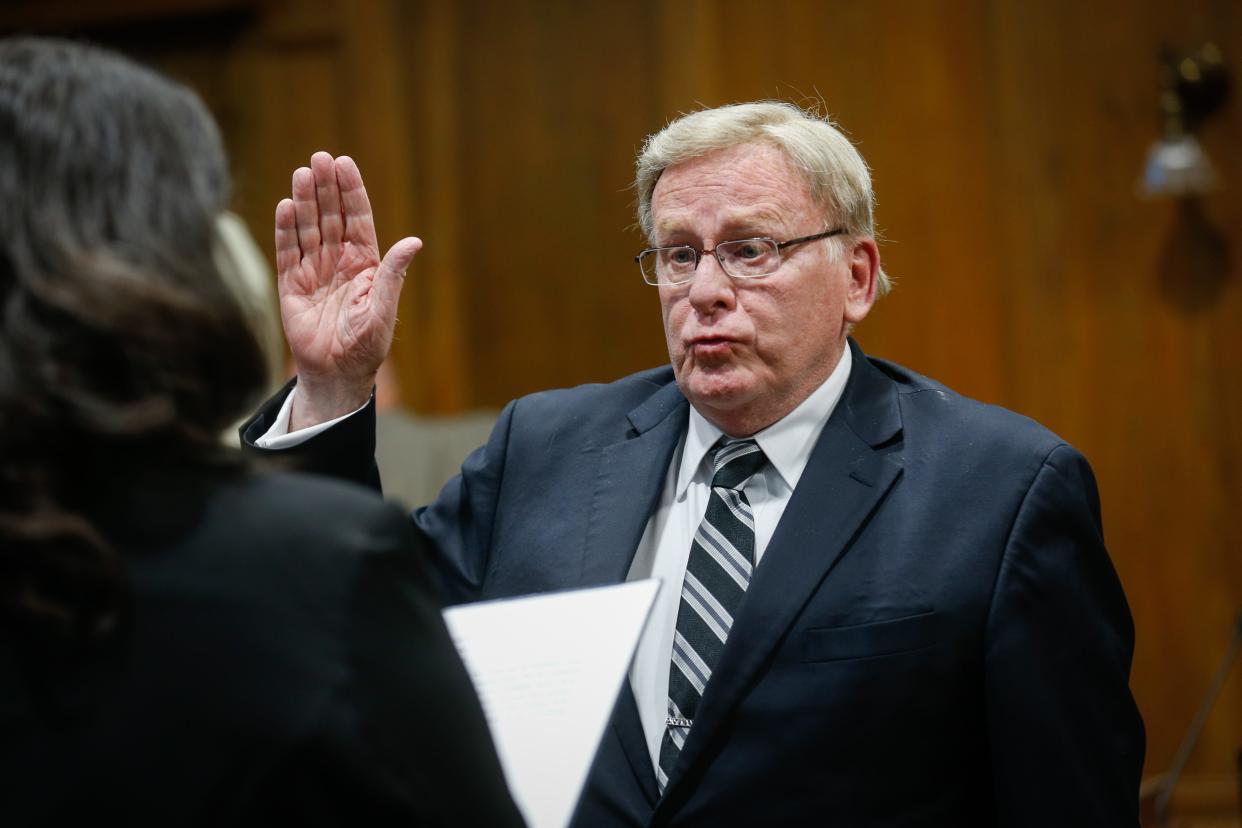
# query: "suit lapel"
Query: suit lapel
{"points": [[845, 480], [627, 729], [628, 487]]}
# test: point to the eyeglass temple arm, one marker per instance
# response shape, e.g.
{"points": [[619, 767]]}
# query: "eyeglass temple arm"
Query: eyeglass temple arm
{"points": [[823, 235]]}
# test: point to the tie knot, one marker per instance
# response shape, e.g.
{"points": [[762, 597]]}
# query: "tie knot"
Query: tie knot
{"points": [[734, 462]]}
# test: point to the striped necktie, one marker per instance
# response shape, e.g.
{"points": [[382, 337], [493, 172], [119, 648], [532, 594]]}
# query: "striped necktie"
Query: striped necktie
{"points": [[722, 557]]}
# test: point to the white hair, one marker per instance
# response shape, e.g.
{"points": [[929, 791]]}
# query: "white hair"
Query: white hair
{"points": [[838, 177]]}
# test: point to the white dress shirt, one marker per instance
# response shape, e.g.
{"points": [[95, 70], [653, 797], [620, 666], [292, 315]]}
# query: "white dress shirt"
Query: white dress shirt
{"points": [[278, 435], [665, 545]]}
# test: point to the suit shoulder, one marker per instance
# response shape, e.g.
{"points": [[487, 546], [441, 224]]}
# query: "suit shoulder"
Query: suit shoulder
{"points": [[928, 406]]}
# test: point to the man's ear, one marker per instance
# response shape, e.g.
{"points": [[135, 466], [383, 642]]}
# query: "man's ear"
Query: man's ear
{"points": [[863, 258]]}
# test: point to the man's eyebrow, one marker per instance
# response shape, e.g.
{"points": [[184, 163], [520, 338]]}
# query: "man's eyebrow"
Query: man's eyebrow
{"points": [[754, 219]]}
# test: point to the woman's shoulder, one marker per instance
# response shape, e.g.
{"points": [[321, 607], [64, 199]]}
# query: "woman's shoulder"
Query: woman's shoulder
{"points": [[310, 518], [270, 535], [311, 499]]}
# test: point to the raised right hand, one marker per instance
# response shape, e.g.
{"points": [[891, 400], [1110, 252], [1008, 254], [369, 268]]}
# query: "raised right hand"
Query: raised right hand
{"points": [[338, 299]]}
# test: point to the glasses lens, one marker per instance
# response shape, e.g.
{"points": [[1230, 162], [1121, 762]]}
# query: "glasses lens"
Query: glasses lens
{"points": [[749, 257], [668, 265]]}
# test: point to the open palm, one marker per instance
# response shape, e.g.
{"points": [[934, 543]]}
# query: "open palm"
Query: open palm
{"points": [[338, 299]]}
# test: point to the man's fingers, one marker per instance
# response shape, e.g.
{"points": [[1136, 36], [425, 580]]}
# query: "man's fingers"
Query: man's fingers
{"points": [[328, 197], [359, 223], [391, 273], [306, 210], [288, 254]]}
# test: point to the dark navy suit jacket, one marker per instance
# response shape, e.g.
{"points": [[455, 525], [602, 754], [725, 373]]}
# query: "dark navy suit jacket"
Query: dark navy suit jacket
{"points": [[935, 636]]}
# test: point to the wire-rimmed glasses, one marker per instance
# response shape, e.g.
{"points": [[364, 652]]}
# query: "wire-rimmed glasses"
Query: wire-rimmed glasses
{"points": [[741, 259]]}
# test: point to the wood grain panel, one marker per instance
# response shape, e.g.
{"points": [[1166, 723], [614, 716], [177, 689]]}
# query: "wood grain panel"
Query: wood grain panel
{"points": [[1099, 352]]}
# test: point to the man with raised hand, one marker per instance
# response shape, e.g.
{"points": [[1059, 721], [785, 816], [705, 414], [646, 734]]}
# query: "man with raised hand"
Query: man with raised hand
{"points": [[885, 604]]}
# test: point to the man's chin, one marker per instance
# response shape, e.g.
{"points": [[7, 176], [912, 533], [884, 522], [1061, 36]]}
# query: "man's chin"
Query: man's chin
{"points": [[718, 390]]}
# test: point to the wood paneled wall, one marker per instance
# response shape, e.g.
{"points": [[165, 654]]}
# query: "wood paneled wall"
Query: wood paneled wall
{"points": [[1006, 139]]}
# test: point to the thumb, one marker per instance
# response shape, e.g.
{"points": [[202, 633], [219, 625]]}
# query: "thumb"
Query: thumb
{"points": [[390, 275]]}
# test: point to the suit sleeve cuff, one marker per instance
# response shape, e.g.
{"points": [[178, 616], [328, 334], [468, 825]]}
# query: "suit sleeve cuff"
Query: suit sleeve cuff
{"points": [[279, 436]]}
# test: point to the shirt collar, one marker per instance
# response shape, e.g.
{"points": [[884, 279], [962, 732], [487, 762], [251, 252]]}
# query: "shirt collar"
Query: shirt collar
{"points": [[787, 442]]}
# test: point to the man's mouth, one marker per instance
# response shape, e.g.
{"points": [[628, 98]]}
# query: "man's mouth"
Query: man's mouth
{"points": [[712, 346]]}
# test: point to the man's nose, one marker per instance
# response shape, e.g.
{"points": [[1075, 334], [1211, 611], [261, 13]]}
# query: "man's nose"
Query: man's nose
{"points": [[711, 287]]}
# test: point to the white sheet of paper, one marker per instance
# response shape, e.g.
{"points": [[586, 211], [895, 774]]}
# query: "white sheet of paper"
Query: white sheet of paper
{"points": [[547, 669]]}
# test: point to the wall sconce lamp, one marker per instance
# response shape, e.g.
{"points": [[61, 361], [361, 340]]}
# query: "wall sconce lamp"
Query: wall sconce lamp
{"points": [[1194, 85]]}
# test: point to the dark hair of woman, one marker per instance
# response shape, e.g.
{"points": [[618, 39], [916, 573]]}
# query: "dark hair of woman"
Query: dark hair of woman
{"points": [[122, 347]]}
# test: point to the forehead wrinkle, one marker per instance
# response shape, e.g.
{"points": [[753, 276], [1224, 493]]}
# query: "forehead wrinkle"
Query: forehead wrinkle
{"points": [[758, 219], [753, 188]]}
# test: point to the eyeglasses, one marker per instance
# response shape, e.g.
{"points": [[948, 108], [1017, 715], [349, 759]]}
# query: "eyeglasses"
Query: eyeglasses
{"points": [[741, 259]]}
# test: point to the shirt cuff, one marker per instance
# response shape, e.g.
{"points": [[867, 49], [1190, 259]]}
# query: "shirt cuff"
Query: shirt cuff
{"points": [[279, 436]]}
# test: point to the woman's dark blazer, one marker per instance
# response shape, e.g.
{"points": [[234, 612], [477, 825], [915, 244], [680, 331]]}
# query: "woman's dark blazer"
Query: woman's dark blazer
{"points": [[282, 662]]}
